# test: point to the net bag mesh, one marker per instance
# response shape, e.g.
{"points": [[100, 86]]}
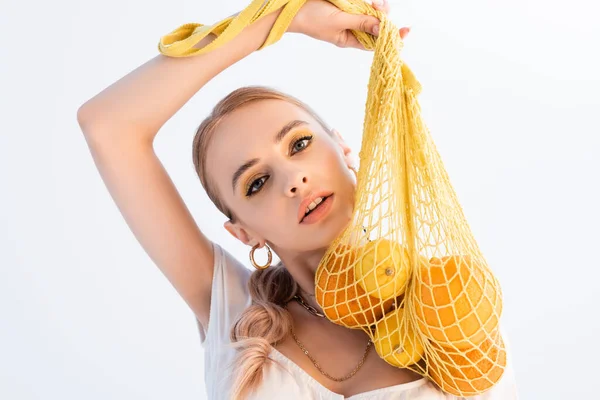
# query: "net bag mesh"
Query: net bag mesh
{"points": [[406, 269]]}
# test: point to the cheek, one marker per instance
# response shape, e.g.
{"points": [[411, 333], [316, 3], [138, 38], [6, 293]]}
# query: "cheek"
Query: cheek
{"points": [[336, 152], [327, 159], [265, 215]]}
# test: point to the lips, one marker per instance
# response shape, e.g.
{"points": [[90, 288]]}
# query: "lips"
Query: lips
{"points": [[309, 199]]}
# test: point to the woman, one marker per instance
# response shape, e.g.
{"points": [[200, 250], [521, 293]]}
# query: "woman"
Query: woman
{"points": [[285, 180]]}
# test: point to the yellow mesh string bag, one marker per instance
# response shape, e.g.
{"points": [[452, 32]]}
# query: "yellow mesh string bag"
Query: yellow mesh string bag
{"points": [[407, 269]]}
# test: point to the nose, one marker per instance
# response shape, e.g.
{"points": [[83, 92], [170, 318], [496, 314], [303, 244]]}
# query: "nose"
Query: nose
{"points": [[296, 181]]}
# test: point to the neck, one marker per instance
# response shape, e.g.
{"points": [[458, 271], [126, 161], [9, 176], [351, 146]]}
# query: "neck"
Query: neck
{"points": [[302, 266]]}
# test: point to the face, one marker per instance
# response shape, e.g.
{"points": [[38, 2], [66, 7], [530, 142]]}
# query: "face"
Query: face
{"points": [[266, 159]]}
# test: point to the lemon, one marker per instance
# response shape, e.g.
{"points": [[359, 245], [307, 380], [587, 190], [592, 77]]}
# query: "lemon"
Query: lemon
{"points": [[384, 269], [343, 301], [395, 342]]}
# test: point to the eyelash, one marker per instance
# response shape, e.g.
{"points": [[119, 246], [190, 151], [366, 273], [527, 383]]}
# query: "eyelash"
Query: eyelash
{"points": [[294, 143]]}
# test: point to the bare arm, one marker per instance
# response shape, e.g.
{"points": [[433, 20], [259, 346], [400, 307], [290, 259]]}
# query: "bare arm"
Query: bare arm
{"points": [[151, 94], [120, 124]]}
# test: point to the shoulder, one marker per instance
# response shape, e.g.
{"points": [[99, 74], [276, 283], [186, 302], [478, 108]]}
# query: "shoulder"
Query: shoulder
{"points": [[230, 296]]}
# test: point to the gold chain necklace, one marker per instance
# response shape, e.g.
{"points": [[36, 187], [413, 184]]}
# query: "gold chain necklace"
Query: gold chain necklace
{"points": [[313, 311], [310, 308]]}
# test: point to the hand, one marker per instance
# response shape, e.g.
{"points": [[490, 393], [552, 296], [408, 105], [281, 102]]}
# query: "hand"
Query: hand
{"points": [[322, 20]]}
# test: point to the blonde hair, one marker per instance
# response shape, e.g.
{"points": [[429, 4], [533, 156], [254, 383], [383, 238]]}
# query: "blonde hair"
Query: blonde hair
{"points": [[266, 322]]}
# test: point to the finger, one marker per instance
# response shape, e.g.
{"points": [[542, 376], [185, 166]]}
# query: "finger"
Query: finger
{"points": [[404, 31], [382, 5], [352, 41], [360, 22]]}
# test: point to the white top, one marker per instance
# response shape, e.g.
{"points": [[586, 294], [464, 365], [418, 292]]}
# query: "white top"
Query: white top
{"points": [[230, 297]]}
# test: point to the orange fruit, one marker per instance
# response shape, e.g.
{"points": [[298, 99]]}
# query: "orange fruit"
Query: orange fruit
{"points": [[342, 300], [384, 268], [396, 342], [470, 372], [455, 302]]}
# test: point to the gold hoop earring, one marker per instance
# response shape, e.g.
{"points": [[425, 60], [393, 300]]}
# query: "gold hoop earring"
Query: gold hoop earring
{"points": [[269, 256]]}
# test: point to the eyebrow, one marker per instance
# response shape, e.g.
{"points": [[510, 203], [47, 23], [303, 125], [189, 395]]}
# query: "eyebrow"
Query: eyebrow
{"points": [[287, 128]]}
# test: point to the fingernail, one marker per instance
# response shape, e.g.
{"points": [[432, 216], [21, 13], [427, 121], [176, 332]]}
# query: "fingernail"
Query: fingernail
{"points": [[378, 3], [376, 30]]}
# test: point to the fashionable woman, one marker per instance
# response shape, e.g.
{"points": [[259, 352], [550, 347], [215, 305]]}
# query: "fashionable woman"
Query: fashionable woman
{"points": [[286, 181]]}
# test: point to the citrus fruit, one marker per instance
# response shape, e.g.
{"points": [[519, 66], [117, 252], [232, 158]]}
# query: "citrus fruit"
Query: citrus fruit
{"points": [[383, 269], [342, 300], [395, 342], [470, 372], [456, 303]]}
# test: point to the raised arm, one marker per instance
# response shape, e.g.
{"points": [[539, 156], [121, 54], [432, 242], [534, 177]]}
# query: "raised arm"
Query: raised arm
{"points": [[120, 124]]}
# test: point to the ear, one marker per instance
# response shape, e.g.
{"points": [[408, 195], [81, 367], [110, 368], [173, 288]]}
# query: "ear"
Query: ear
{"points": [[240, 233], [348, 154]]}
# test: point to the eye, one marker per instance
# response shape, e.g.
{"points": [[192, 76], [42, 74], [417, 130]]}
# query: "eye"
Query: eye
{"points": [[256, 184], [300, 144], [297, 146]]}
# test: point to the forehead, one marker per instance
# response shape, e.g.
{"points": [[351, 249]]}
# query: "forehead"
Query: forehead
{"points": [[259, 119], [246, 133]]}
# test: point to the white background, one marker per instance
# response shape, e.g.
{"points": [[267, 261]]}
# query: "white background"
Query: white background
{"points": [[511, 95]]}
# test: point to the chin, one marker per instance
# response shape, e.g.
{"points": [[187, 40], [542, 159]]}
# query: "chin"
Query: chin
{"points": [[329, 230]]}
